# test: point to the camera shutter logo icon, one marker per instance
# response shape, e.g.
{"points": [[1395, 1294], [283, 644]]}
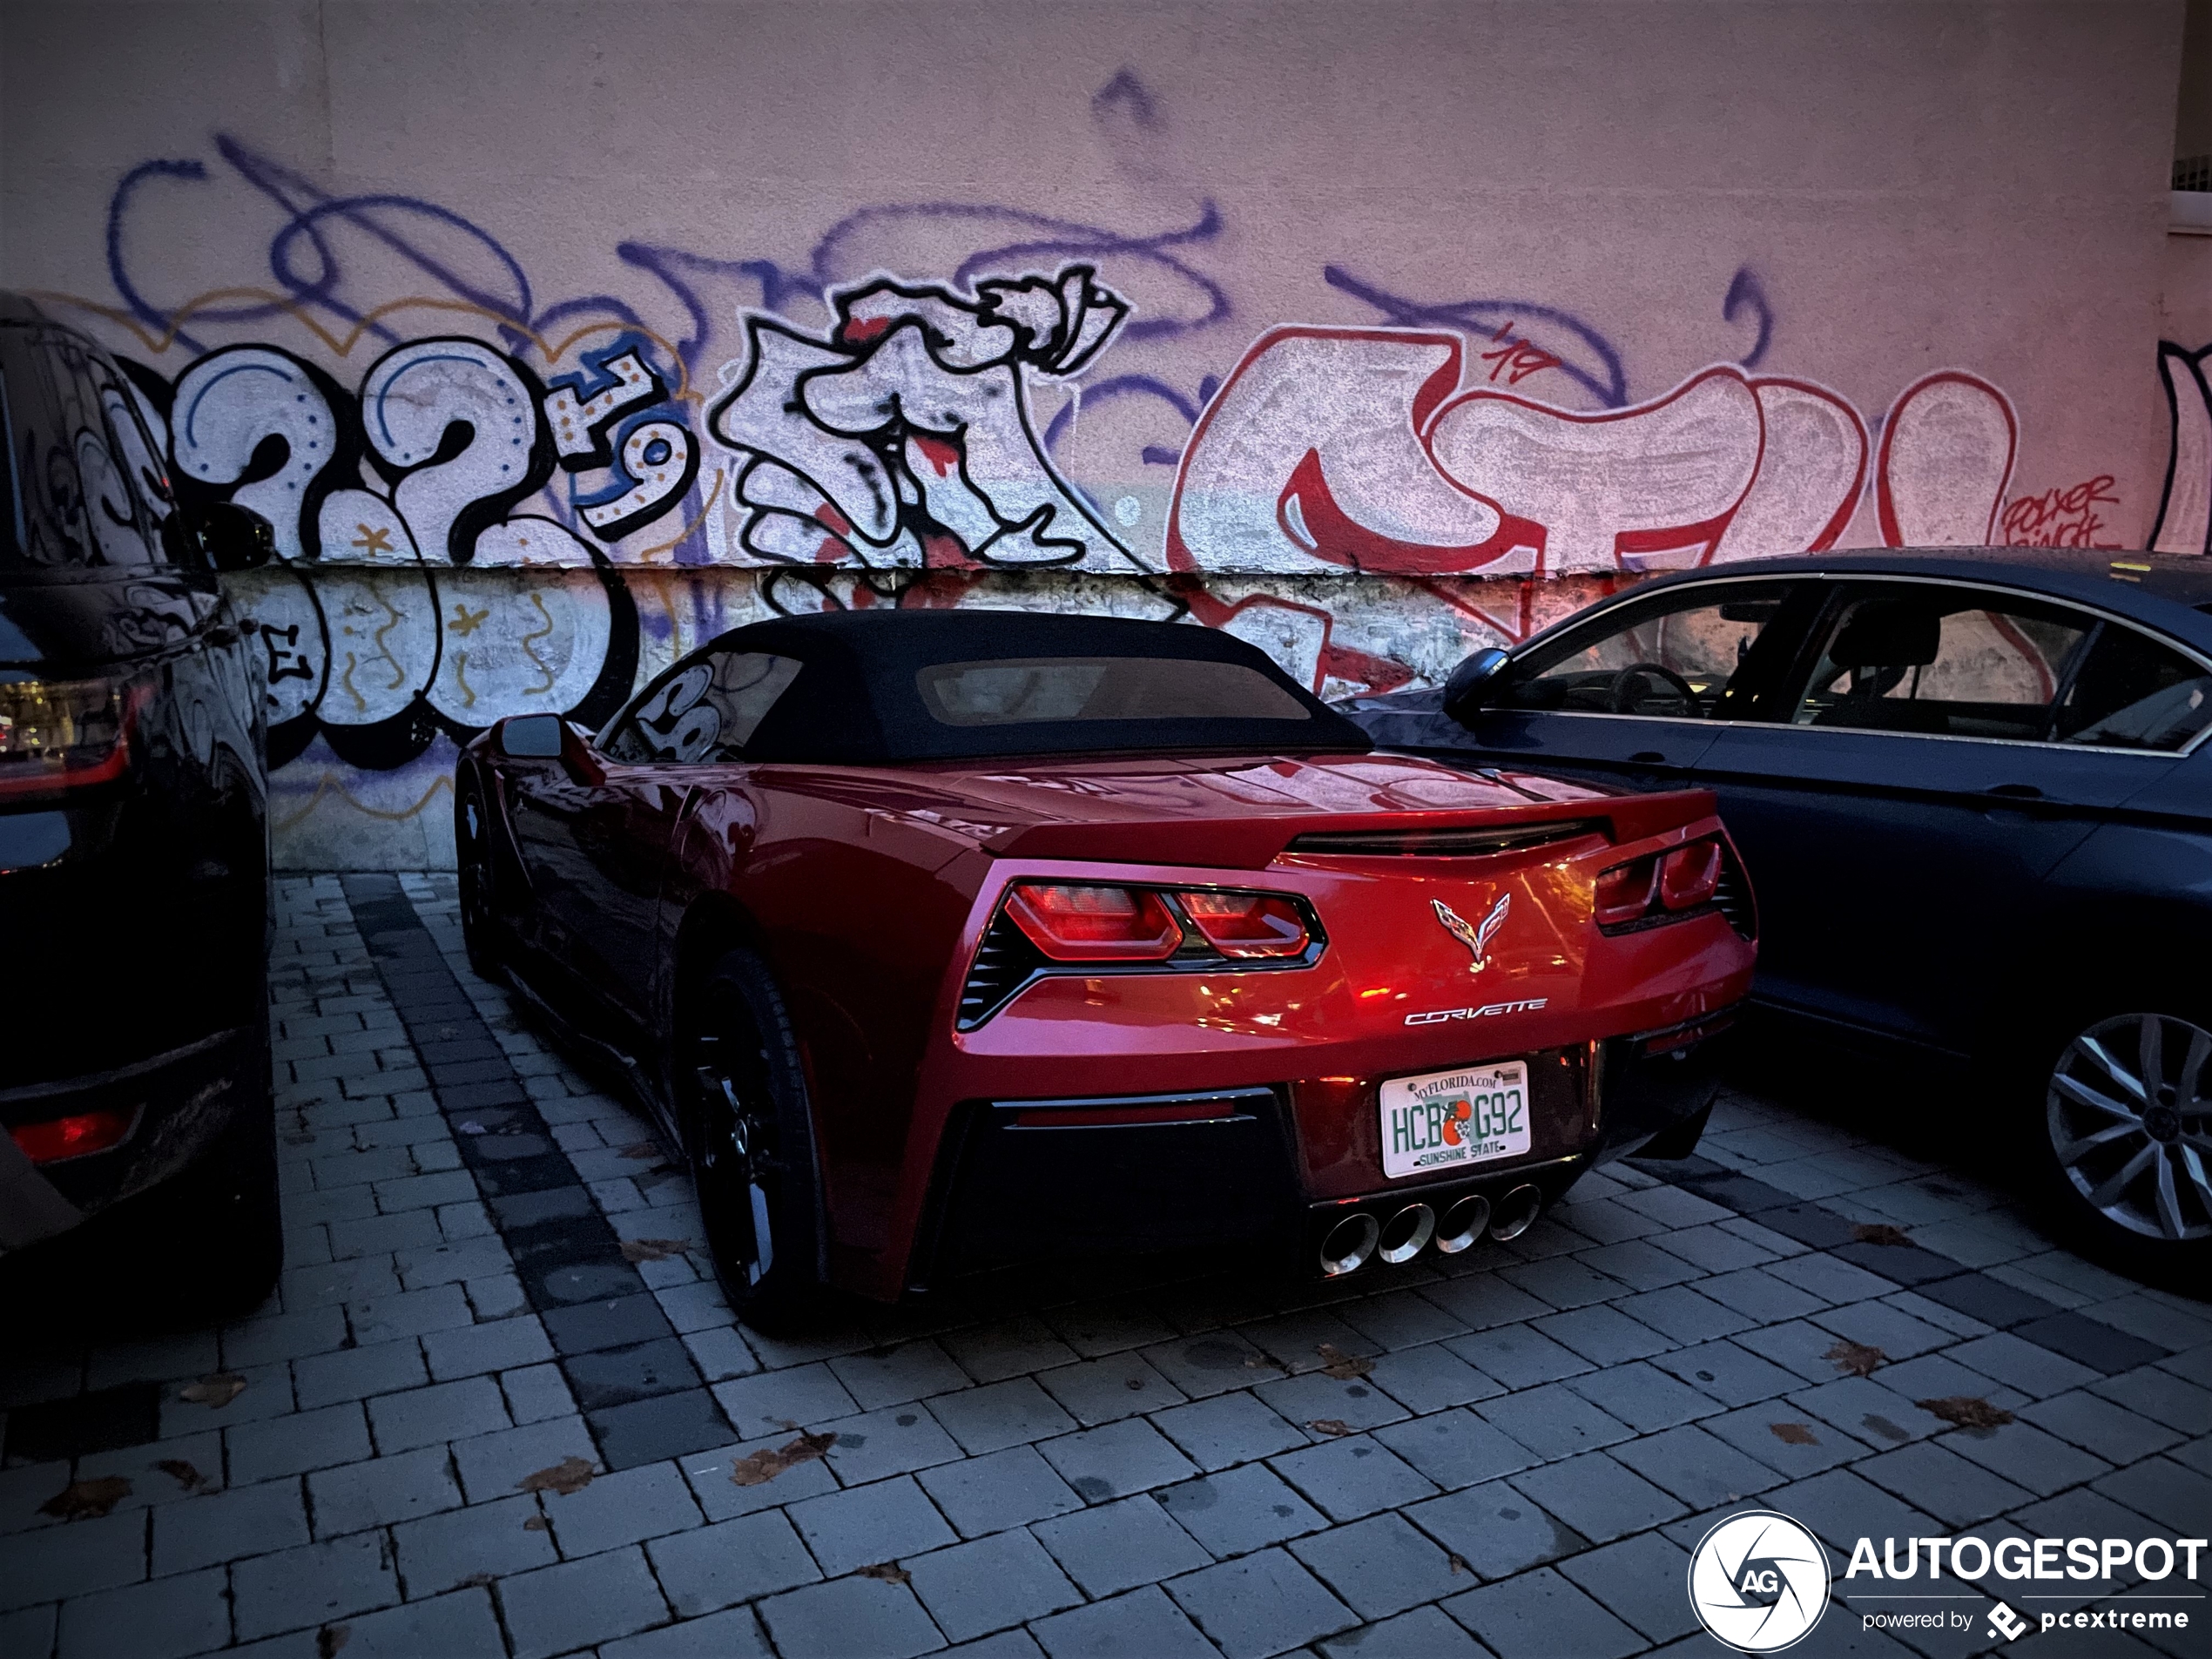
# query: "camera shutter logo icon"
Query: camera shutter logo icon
{"points": [[1758, 1581]]}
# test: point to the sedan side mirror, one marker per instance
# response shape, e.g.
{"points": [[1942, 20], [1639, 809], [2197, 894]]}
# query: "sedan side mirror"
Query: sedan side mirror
{"points": [[1476, 685], [530, 737], [226, 536]]}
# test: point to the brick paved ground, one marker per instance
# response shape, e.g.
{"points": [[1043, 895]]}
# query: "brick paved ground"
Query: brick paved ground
{"points": [[1531, 1437]]}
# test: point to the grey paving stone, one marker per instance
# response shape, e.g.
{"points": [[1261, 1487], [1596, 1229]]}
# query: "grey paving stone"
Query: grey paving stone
{"points": [[555, 1610], [1495, 1530], [733, 1635], [1399, 1320], [1811, 1446], [1380, 1566], [1731, 1374], [849, 1616], [1107, 1389], [535, 1393], [1696, 1467], [441, 1552], [1010, 1348], [1519, 1356], [1603, 1335], [165, 1619], [355, 1373], [1879, 1325], [442, 1411], [1683, 1313], [2162, 1397], [773, 1400], [972, 1590], [2169, 1492], [462, 1622], [1315, 1398], [275, 1337], [1352, 1477], [1456, 1448], [1540, 1613], [1431, 1378], [313, 1585], [280, 1446], [1552, 1421], [1832, 1280], [910, 1371], [227, 1525], [1425, 1632], [999, 1414], [379, 1491], [1865, 1406], [1238, 1510], [709, 1567], [1208, 1365], [865, 1525], [1935, 1376], [2098, 1426], [413, 1314], [1260, 1604], [625, 1507], [710, 1474], [1842, 1507], [1228, 1429], [1111, 1326], [1943, 1484], [1597, 1496], [491, 1465], [1644, 1396], [1115, 1460], [1758, 1295], [1796, 1344], [895, 1441], [497, 1345], [1639, 1580], [1145, 1622], [1483, 1301], [720, 1354], [1562, 1283], [1117, 1546], [1008, 1488], [1713, 1249], [662, 1426]]}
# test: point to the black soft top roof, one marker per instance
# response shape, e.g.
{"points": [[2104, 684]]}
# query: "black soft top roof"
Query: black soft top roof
{"points": [[856, 700]]}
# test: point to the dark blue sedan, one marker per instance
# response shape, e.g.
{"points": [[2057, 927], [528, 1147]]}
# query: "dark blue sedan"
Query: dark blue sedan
{"points": [[1972, 791]]}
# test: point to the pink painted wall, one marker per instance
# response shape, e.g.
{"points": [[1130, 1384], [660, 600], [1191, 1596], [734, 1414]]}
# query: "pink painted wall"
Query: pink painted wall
{"points": [[1404, 328]]}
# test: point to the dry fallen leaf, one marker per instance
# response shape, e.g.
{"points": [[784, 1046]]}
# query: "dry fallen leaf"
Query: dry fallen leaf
{"points": [[1878, 1233], [1460, 1565], [1857, 1359], [330, 1638], [640, 1151], [889, 1572], [1342, 1365], [216, 1391], [538, 1523], [1967, 1411], [570, 1474], [83, 1499], [654, 1249], [183, 1473], [758, 1468], [1794, 1434], [1330, 1425]]}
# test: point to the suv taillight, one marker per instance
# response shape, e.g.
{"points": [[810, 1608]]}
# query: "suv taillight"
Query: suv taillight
{"points": [[65, 734], [1659, 886]]}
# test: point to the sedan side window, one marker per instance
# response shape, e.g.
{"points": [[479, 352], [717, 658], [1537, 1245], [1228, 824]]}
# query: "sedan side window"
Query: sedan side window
{"points": [[1680, 655], [704, 708], [2135, 693], [1943, 661]]}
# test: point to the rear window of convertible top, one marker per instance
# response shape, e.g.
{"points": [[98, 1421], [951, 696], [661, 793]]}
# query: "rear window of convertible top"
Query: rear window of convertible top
{"points": [[1016, 692]]}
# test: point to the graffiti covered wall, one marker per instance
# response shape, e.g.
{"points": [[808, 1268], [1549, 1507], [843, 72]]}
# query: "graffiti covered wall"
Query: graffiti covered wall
{"points": [[553, 345]]}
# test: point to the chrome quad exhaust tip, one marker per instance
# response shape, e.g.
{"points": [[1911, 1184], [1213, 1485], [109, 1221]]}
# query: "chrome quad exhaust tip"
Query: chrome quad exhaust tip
{"points": [[1516, 1213], [1347, 1246], [1406, 1234], [1463, 1224]]}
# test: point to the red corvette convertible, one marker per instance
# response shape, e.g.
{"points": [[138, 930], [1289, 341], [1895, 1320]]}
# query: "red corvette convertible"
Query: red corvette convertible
{"points": [[938, 939]]}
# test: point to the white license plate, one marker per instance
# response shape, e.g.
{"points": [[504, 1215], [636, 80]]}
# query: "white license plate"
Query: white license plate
{"points": [[1441, 1120]]}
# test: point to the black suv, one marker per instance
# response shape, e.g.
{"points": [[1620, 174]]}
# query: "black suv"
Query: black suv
{"points": [[134, 1059]]}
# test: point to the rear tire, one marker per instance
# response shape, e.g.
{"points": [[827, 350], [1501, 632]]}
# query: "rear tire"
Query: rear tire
{"points": [[2121, 1135], [472, 847], [753, 1148]]}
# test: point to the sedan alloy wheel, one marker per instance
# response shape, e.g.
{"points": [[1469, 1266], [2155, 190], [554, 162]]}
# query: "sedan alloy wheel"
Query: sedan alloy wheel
{"points": [[2130, 1125]]}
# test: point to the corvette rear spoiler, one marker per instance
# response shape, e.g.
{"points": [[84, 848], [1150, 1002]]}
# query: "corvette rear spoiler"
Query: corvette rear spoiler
{"points": [[1253, 841]]}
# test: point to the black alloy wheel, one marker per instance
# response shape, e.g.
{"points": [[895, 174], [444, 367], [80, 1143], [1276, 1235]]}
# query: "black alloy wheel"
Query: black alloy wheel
{"points": [[2126, 1121], [752, 1153]]}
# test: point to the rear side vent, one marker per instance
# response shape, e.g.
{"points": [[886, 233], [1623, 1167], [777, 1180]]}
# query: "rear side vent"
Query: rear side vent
{"points": [[1445, 843], [1004, 962], [1732, 897]]}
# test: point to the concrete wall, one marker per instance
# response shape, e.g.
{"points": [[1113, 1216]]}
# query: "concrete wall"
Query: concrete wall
{"points": [[558, 338]]}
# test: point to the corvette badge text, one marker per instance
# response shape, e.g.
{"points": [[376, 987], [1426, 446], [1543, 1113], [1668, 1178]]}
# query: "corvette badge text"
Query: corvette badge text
{"points": [[1436, 1016]]}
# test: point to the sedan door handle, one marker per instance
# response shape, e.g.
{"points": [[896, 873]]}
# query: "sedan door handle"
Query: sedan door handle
{"points": [[2015, 791]]}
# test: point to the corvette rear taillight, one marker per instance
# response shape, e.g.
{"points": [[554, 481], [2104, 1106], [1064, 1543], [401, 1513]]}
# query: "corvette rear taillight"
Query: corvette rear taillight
{"points": [[71, 1137], [1247, 925], [1659, 886], [65, 734], [1095, 924]]}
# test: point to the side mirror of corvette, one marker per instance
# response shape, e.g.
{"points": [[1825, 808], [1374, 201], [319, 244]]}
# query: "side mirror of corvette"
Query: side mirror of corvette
{"points": [[532, 736], [1474, 684]]}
